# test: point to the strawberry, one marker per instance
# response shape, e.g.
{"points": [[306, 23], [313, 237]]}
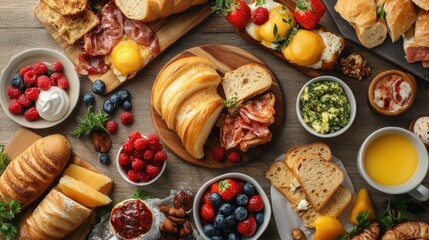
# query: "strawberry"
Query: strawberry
{"points": [[206, 196], [247, 227], [228, 189], [207, 212], [237, 12], [255, 203], [309, 12]]}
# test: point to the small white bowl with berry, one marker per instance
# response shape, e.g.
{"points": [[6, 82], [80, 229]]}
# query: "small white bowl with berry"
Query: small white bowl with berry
{"points": [[231, 206], [40, 88], [141, 160]]}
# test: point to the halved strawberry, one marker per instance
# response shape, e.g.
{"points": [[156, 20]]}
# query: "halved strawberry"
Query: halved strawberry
{"points": [[237, 12]]}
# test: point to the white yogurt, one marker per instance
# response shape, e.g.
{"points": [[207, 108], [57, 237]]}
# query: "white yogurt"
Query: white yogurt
{"points": [[421, 129], [53, 104]]}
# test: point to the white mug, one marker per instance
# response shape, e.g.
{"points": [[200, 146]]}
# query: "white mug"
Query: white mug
{"points": [[413, 185]]}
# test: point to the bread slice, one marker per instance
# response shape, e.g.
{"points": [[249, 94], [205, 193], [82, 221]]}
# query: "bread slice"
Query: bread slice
{"points": [[73, 27], [293, 154], [318, 178], [246, 81], [372, 35], [423, 4], [67, 7], [400, 15]]}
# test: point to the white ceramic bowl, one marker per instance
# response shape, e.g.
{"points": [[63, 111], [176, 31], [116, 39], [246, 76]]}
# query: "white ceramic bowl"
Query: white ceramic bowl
{"points": [[125, 176], [29, 57], [244, 178], [350, 97]]}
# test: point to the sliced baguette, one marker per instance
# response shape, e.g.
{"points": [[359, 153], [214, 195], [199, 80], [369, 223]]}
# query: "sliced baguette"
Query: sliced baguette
{"points": [[318, 178], [293, 154], [400, 15], [373, 35], [246, 81]]}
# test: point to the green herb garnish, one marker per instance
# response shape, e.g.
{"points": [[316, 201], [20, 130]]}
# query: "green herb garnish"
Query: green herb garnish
{"points": [[4, 159], [380, 12], [8, 222], [260, 2], [91, 122], [363, 222], [140, 194], [230, 102], [390, 217]]}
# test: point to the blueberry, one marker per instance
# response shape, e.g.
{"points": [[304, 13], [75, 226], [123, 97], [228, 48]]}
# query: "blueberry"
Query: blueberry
{"points": [[115, 100], [88, 98], [124, 95], [220, 222], [225, 209], [230, 221], [210, 230], [49, 72], [240, 213], [249, 189], [126, 105], [17, 81], [259, 218], [241, 199], [234, 236], [108, 107], [104, 159], [217, 238], [98, 87], [215, 199]]}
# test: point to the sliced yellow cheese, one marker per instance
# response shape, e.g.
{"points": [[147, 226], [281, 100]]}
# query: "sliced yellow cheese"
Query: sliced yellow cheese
{"points": [[93, 179], [82, 192]]}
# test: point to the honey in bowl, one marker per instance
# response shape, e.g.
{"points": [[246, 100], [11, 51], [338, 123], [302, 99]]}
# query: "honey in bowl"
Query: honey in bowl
{"points": [[391, 160]]}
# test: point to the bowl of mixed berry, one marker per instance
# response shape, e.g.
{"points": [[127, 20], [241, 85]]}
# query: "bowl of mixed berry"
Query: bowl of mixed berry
{"points": [[231, 206], [40, 88], [141, 159]]}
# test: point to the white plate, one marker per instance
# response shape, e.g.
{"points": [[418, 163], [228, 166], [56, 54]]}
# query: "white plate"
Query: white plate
{"points": [[287, 219]]}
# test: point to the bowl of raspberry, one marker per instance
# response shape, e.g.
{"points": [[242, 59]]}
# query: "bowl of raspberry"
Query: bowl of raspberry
{"points": [[231, 206], [141, 160], [40, 88]]}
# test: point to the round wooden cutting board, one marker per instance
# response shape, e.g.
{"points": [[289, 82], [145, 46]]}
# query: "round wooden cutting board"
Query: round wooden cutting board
{"points": [[227, 58]]}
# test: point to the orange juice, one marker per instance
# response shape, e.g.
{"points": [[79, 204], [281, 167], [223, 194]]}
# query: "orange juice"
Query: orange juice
{"points": [[391, 160]]}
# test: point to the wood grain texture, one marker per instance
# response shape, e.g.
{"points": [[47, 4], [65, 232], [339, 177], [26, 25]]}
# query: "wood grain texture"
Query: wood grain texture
{"points": [[23, 139], [168, 30], [226, 58]]}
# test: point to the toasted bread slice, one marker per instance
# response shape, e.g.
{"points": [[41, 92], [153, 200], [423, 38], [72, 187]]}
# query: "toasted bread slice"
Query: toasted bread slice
{"points": [[246, 81], [318, 178], [73, 27], [67, 7], [293, 154]]}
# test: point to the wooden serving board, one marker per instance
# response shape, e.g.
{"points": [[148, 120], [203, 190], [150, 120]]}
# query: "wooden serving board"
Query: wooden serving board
{"points": [[227, 58], [168, 30], [22, 139]]}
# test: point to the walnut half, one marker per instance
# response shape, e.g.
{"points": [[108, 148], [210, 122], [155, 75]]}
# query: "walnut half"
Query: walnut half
{"points": [[355, 66], [298, 234]]}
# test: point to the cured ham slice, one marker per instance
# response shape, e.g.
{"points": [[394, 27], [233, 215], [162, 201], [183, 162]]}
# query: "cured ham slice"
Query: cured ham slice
{"points": [[416, 54], [249, 127]]}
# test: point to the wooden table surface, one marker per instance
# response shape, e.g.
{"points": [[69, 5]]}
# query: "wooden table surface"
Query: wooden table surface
{"points": [[20, 30]]}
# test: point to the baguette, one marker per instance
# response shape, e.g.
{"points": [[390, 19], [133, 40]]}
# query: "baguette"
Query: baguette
{"points": [[361, 13], [293, 154], [54, 218], [423, 4], [373, 35], [31, 173], [400, 15], [151, 10]]}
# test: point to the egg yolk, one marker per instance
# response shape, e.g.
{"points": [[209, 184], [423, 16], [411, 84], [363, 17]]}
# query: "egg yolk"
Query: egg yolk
{"points": [[126, 57], [280, 22], [305, 48]]}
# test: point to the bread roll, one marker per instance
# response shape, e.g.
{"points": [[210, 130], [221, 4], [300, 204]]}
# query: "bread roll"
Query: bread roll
{"points": [[54, 218], [422, 29], [400, 15], [423, 4], [32, 172], [373, 35], [151, 10], [361, 13]]}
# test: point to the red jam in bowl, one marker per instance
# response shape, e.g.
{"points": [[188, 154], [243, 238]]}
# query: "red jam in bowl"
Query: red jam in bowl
{"points": [[131, 218]]}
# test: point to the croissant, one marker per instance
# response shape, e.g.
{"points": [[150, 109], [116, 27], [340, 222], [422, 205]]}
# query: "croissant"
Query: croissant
{"points": [[32, 172], [54, 218]]}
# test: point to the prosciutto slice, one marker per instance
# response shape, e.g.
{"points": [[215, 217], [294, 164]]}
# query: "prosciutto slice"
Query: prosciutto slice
{"points": [[249, 127], [416, 54]]}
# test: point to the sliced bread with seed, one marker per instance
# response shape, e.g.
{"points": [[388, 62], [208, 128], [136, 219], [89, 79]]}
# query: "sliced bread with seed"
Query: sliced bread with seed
{"points": [[293, 154]]}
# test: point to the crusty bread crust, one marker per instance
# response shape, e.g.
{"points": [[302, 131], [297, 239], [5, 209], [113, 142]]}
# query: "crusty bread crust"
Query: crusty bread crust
{"points": [[358, 12], [423, 4], [67, 7], [373, 35], [400, 15], [293, 154]]}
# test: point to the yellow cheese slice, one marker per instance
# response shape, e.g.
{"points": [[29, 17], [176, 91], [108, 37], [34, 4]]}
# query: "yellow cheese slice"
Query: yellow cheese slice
{"points": [[93, 179]]}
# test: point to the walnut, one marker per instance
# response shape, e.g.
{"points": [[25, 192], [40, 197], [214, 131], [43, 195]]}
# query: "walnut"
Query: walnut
{"points": [[355, 66], [298, 234]]}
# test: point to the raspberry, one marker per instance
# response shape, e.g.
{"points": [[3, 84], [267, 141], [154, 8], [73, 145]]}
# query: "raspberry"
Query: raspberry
{"points": [[31, 114], [152, 138], [260, 15], [57, 66], [156, 147], [124, 159], [43, 82], [137, 164], [55, 77], [143, 177], [148, 155], [15, 107], [140, 144], [234, 157], [160, 156], [40, 68], [30, 78], [111, 126], [152, 170], [132, 175], [218, 153], [63, 83], [128, 147], [25, 69], [32, 93], [138, 155], [13, 92], [134, 135], [24, 101], [126, 118]]}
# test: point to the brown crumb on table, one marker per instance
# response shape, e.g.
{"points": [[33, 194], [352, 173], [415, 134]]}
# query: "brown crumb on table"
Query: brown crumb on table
{"points": [[298, 234], [355, 66]]}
